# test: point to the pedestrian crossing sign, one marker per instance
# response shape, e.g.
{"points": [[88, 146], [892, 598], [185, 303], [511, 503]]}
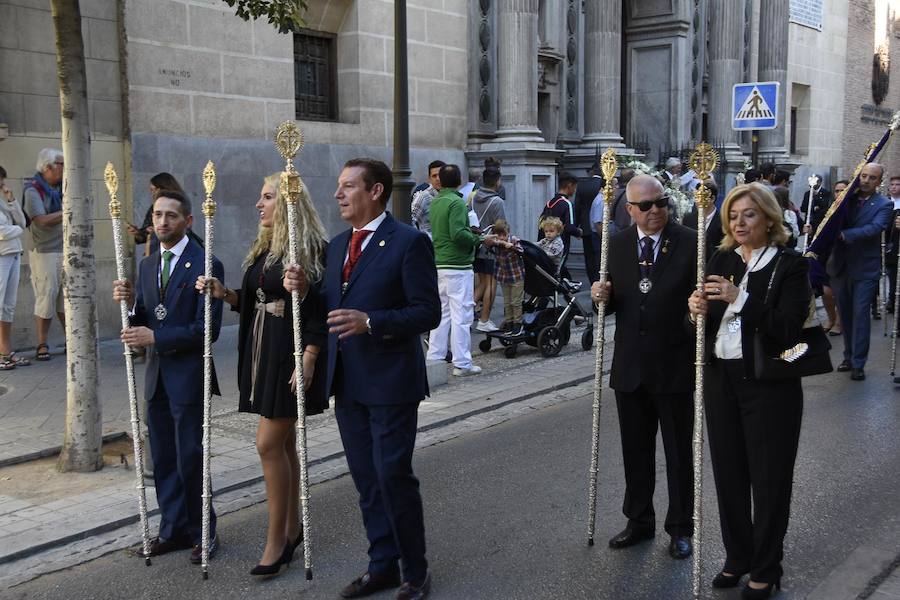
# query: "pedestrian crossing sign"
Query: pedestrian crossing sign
{"points": [[754, 106]]}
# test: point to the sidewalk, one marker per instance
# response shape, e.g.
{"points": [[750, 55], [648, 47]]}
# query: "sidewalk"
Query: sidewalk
{"points": [[50, 510]]}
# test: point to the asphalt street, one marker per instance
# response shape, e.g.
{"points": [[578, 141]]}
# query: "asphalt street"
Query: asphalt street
{"points": [[505, 512]]}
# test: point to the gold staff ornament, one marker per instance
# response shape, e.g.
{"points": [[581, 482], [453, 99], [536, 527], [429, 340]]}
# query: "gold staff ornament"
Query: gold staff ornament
{"points": [[209, 211], [608, 165], [288, 142], [115, 213], [703, 161]]}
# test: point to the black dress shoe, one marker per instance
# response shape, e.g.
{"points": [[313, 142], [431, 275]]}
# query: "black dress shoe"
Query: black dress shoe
{"points": [[369, 583], [680, 547], [159, 546], [629, 537], [857, 374], [726, 581], [408, 591], [197, 550], [844, 366], [749, 593]]}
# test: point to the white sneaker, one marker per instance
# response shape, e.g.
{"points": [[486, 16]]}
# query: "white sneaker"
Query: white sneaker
{"points": [[486, 326], [473, 370]]}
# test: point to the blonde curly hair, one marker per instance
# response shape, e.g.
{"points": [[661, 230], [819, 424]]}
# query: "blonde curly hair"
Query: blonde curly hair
{"points": [[311, 237]]}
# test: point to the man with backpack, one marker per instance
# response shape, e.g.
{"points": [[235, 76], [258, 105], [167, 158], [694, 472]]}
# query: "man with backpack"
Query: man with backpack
{"points": [[560, 206], [488, 207], [42, 203]]}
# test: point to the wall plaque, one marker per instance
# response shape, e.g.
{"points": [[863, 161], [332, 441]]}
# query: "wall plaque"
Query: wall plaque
{"points": [[808, 13]]}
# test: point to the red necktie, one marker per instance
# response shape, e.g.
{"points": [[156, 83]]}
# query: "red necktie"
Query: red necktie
{"points": [[356, 242]]}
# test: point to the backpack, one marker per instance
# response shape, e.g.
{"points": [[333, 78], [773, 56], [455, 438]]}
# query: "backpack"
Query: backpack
{"points": [[29, 183]]}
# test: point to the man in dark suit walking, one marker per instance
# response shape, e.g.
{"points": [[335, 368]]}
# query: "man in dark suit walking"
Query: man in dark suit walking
{"points": [[585, 192], [380, 289], [651, 275], [167, 314], [855, 266]]}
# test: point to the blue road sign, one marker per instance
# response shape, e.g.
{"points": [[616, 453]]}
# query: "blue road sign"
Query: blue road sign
{"points": [[754, 106]]}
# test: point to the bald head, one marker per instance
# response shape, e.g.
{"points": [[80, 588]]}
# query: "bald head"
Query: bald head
{"points": [[643, 185], [642, 192], [870, 178]]}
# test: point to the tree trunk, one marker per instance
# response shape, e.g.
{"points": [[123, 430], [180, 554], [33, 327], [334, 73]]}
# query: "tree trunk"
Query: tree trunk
{"points": [[83, 438]]}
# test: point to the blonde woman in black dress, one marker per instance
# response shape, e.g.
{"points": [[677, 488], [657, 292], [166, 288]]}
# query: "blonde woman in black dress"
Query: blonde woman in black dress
{"points": [[266, 378]]}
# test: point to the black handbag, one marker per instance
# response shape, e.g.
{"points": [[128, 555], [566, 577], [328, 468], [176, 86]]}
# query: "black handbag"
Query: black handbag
{"points": [[809, 356]]}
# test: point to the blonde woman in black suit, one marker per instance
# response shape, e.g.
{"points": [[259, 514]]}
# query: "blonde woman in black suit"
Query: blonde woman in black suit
{"points": [[754, 425]]}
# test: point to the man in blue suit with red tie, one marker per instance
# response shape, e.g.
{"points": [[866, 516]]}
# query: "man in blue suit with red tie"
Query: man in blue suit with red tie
{"points": [[167, 314], [380, 289], [855, 266]]}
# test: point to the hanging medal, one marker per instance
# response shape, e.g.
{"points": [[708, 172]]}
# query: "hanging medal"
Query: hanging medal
{"points": [[645, 285], [161, 312], [734, 324]]}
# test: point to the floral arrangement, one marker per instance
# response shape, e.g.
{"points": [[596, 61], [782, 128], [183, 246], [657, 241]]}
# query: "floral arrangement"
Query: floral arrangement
{"points": [[684, 203]]}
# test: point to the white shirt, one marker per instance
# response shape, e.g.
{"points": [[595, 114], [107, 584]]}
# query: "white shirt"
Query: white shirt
{"points": [[177, 250], [728, 343], [896, 203], [656, 237], [370, 226]]}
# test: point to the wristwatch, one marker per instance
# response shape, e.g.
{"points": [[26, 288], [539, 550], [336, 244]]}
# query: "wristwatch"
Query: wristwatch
{"points": [[369, 325]]}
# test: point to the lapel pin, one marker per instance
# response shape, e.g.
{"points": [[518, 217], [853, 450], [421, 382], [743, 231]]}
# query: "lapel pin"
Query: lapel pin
{"points": [[381, 244], [187, 265]]}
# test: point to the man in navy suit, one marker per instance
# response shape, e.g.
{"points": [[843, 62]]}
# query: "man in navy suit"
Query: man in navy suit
{"points": [[380, 289], [855, 266], [167, 314]]}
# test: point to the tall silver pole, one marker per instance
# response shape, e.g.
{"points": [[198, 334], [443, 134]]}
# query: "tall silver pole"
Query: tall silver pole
{"points": [[609, 165], [703, 161], [289, 141], [115, 213], [209, 211], [804, 240]]}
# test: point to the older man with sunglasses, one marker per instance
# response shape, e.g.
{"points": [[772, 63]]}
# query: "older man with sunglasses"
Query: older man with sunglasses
{"points": [[651, 275]]}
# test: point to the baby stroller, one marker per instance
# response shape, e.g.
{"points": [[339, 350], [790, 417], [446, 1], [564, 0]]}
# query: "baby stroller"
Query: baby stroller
{"points": [[548, 311]]}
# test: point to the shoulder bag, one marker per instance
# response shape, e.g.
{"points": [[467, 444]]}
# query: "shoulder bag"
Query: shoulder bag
{"points": [[809, 356]]}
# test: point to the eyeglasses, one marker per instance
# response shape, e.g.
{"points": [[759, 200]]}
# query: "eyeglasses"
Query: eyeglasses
{"points": [[646, 205]]}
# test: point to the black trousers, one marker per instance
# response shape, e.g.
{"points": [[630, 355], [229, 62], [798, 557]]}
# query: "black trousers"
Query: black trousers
{"points": [[591, 258], [754, 429], [640, 414]]}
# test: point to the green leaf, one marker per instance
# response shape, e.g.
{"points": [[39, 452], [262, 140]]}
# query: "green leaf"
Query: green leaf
{"points": [[284, 15]]}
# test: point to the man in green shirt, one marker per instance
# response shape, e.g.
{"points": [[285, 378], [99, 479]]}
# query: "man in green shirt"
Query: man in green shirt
{"points": [[454, 251]]}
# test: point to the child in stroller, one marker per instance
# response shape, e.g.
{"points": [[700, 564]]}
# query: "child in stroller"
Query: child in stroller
{"points": [[548, 312]]}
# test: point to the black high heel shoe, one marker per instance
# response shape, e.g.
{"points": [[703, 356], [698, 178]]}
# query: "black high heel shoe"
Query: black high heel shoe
{"points": [[749, 593], [726, 581], [284, 559], [294, 545]]}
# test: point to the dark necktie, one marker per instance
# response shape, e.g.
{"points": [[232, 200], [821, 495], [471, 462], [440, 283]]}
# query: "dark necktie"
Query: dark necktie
{"points": [[646, 256], [356, 242]]}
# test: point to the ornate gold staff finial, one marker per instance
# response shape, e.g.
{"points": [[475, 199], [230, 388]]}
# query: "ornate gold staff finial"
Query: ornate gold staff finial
{"points": [[288, 142], [112, 186], [703, 162], [608, 165], [209, 184]]}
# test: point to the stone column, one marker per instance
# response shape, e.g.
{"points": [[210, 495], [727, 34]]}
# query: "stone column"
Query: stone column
{"points": [[726, 67], [773, 62], [517, 61], [602, 72]]}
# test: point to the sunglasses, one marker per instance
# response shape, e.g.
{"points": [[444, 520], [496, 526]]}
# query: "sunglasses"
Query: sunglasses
{"points": [[646, 205]]}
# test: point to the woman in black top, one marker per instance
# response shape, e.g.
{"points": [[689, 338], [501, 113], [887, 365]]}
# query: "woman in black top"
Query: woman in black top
{"points": [[756, 290], [266, 361]]}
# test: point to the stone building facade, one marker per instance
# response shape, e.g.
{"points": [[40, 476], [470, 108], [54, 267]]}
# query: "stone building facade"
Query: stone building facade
{"points": [[540, 84]]}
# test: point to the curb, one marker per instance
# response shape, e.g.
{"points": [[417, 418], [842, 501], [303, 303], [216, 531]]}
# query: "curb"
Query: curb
{"points": [[118, 523]]}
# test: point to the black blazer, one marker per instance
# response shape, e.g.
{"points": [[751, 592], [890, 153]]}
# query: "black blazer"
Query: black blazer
{"points": [[651, 348], [780, 319], [585, 192], [714, 233]]}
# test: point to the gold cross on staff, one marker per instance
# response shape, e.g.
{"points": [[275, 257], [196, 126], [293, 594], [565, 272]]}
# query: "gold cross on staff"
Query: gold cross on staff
{"points": [[609, 164], [288, 140], [112, 186], [704, 160], [209, 184]]}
